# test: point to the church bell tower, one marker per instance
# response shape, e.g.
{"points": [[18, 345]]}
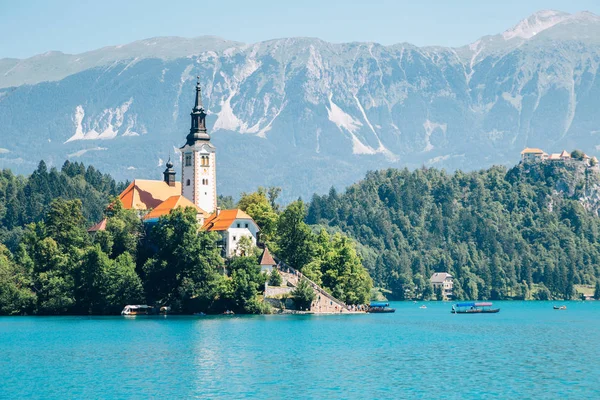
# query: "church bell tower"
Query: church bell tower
{"points": [[198, 166]]}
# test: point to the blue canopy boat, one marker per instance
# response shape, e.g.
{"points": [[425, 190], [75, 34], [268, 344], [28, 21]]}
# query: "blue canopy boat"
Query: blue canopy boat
{"points": [[380, 307], [472, 307]]}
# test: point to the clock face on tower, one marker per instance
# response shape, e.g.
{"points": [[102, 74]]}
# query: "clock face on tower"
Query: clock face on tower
{"points": [[205, 170]]}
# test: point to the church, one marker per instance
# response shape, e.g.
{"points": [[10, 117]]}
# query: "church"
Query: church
{"points": [[197, 189]]}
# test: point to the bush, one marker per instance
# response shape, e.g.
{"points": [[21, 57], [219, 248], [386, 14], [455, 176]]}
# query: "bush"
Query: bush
{"points": [[303, 295], [275, 278]]}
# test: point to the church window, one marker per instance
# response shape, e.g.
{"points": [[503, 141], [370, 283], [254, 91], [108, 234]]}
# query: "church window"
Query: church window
{"points": [[187, 183], [234, 238], [188, 160], [238, 225], [246, 225]]}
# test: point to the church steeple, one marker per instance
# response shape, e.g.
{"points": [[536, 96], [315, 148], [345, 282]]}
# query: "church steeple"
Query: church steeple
{"points": [[169, 174], [198, 128], [198, 156]]}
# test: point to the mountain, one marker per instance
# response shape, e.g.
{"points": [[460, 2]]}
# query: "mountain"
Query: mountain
{"points": [[305, 114]]}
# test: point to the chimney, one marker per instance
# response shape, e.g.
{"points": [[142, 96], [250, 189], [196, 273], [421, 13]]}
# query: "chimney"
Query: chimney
{"points": [[218, 211]]}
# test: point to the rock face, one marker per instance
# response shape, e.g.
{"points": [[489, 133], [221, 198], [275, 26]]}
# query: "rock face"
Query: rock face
{"points": [[306, 114]]}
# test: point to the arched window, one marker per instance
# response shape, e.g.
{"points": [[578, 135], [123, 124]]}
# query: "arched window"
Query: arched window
{"points": [[187, 183], [188, 160]]}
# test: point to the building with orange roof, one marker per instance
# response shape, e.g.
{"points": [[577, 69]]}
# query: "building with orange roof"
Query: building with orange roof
{"points": [[232, 225], [145, 194], [565, 155], [197, 189], [170, 204], [533, 154]]}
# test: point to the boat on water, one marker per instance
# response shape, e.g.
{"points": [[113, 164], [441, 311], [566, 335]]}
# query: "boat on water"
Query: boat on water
{"points": [[138, 310], [560, 307], [423, 306], [199, 314], [228, 312], [380, 308], [472, 307]]}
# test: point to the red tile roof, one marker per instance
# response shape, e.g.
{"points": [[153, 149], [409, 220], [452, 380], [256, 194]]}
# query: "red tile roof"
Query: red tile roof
{"points": [[172, 203], [100, 226], [224, 219], [266, 258], [143, 194]]}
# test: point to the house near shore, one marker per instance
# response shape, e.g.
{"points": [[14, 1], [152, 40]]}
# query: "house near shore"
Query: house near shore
{"points": [[197, 190], [443, 281], [232, 225]]}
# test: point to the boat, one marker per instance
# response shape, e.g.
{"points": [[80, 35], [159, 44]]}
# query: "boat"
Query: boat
{"points": [[138, 310], [199, 314], [165, 310], [423, 306], [380, 308], [228, 312], [474, 308], [560, 308]]}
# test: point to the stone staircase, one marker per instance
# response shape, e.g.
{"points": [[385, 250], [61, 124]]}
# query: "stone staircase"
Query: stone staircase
{"points": [[324, 302]]}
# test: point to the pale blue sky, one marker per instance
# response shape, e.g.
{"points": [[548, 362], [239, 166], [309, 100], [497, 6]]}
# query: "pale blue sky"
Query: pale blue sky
{"points": [[36, 26]]}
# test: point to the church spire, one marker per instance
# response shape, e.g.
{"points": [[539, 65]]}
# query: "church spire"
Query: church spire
{"points": [[169, 174], [198, 128]]}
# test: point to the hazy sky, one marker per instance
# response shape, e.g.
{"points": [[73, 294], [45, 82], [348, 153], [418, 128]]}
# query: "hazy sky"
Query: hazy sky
{"points": [[36, 26]]}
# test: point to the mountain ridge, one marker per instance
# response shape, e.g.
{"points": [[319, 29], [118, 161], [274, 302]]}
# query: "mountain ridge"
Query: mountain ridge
{"points": [[285, 110]]}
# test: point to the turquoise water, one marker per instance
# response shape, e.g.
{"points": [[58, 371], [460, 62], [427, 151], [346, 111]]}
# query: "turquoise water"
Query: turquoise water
{"points": [[527, 350]]}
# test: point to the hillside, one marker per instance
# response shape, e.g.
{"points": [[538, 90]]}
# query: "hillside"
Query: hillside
{"points": [[531, 231], [25, 200], [285, 111]]}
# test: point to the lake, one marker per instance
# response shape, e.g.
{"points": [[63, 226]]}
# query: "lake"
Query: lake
{"points": [[527, 350]]}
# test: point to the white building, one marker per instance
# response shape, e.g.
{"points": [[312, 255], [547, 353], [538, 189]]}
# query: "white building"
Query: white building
{"points": [[198, 189], [445, 281], [198, 163], [232, 225]]}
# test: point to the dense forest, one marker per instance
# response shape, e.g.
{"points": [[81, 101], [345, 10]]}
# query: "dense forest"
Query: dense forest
{"points": [[24, 200], [530, 232], [50, 264]]}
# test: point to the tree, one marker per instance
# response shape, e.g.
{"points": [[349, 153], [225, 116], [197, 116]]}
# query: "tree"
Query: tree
{"points": [[273, 193], [295, 239], [16, 296], [124, 227], [245, 246], [342, 272], [184, 271], [577, 155], [597, 291], [275, 278], [261, 210], [303, 295]]}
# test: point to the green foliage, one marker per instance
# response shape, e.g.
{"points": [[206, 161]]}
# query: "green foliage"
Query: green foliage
{"points": [[247, 282], [577, 155], [27, 200], [261, 206], [597, 291], [16, 296], [183, 273], [498, 231], [275, 278], [303, 295], [339, 269], [225, 202], [294, 237]]}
